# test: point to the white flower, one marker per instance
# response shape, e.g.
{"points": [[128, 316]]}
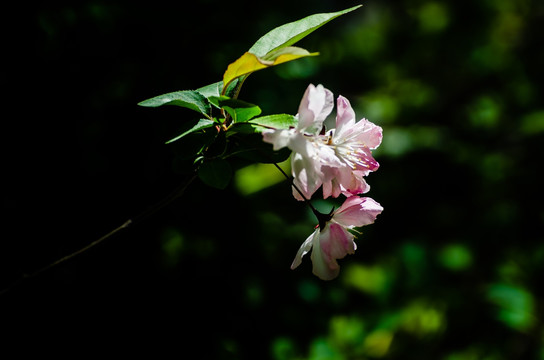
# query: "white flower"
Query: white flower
{"points": [[305, 141]]}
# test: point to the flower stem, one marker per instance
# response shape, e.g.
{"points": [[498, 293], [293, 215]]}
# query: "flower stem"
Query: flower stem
{"points": [[321, 218]]}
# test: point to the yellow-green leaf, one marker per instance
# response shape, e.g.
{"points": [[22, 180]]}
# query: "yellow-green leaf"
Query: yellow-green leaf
{"points": [[249, 63]]}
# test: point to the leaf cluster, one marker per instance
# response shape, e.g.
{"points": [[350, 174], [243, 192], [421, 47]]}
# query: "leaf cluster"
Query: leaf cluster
{"points": [[232, 126]]}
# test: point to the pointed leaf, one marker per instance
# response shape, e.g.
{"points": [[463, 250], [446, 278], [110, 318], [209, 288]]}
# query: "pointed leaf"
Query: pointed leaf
{"points": [[216, 89], [191, 99], [290, 33], [202, 124], [211, 90], [258, 125], [215, 173], [249, 63], [276, 121]]}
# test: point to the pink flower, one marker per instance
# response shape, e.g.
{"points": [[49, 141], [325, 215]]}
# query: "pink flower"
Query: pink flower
{"points": [[334, 241], [339, 159], [352, 143]]}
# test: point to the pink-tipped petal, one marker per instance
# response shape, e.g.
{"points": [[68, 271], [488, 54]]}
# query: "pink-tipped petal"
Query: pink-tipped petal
{"points": [[356, 185], [333, 243], [345, 115], [338, 242], [368, 133], [357, 211]]}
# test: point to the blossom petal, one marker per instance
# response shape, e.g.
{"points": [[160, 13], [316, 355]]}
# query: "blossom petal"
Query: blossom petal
{"points": [[331, 185], [363, 160], [315, 106], [367, 133], [333, 243], [345, 115], [307, 175], [278, 138], [304, 249], [353, 183], [338, 242], [323, 266], [356, 185], [357, 211], [343, 180]]}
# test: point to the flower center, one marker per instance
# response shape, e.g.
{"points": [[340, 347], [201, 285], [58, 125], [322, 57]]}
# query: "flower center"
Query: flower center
{"points": [[356, 155]]}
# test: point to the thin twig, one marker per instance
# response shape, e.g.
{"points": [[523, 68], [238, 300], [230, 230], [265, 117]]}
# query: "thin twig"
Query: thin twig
{"points": [[321, 218], [152, 210], [125, 225]]}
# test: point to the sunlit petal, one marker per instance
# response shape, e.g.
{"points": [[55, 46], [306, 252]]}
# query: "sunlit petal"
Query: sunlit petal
{"points": [[304, 249]]}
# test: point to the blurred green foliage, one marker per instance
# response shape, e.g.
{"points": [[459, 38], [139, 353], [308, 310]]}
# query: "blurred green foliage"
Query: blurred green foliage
{"points": [[451, 270]]}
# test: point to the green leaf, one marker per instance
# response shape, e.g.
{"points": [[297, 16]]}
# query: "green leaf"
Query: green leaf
{"points": [[290, 33], [215, 173], [191, 99], [249, 63], [239, 110], [258, 125], [202, 124], [277, 121], [216, 89], [211, 90], [242, 114]]}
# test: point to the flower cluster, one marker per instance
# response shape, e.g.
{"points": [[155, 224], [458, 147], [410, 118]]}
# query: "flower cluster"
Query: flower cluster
{"points": [[336, 160]]}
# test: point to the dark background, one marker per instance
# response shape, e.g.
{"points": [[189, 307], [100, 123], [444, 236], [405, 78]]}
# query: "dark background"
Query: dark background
{"points": [[452, 269]]}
